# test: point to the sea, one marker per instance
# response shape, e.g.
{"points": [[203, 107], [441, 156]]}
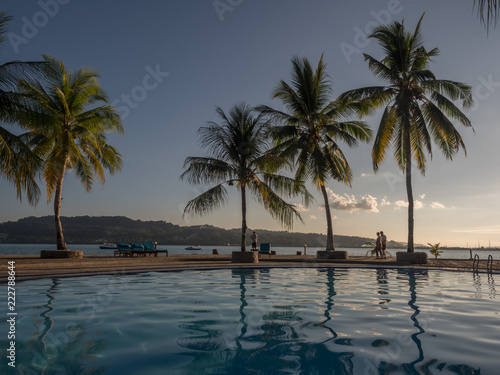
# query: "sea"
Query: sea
{"points": [[93, 249]]}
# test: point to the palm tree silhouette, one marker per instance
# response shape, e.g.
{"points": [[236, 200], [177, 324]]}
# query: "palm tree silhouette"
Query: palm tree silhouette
{"points": [[238, 155], [308, 133], [69, 131], [418, 107]]}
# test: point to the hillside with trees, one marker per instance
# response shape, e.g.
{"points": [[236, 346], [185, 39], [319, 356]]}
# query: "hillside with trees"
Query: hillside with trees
{"points": [[97, 229]]}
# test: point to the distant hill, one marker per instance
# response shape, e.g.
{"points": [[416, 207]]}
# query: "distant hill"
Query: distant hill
{"points": [[97, 229]]}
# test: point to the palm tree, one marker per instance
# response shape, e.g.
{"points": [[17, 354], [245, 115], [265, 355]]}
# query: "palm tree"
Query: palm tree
{"points": [[310, 129], [17, 163], [435, 249], [238, 156], [68, 129], [418, 107]]}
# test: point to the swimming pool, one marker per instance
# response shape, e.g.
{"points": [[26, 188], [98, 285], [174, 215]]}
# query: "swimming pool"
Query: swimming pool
{"points": [[260, 321]]}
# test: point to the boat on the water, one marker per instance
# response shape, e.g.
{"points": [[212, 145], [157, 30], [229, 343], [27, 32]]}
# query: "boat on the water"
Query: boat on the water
{"points": [[106, 245], [193, 248]]}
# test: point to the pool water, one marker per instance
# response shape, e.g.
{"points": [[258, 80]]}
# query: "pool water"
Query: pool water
{"points": [[259, 321]]}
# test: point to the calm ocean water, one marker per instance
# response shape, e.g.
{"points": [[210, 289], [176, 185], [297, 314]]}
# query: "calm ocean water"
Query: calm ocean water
{"points": [[28, 249]]}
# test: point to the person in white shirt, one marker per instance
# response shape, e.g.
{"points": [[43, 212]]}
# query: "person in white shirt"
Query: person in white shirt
{"points": [[383, 239]]}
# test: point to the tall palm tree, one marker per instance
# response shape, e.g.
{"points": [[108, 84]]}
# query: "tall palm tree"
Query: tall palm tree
{"points": [[310, 129], [17, 163], [238, 156], [68, 127], [418, 107]]}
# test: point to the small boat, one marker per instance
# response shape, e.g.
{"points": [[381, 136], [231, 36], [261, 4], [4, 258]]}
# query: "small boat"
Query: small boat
{"points": [[193, 248], [106, 245]]}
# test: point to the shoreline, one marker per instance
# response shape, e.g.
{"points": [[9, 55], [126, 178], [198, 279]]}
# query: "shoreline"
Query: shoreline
{"points": [[32, 267]]}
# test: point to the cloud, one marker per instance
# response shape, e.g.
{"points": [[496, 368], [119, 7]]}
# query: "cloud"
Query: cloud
{"points": [[385, 202], [437, 205], [312, 217], [299, 207], [421, 196], [350, 203], [400, 204], [487, 229]]}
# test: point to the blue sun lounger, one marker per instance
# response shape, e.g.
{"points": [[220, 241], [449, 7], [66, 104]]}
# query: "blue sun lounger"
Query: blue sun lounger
{"points": [[123, 249], [150, 249], [265, 248]]}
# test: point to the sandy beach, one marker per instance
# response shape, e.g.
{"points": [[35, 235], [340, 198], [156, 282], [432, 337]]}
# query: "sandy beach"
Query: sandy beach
{"points": [[29, 267]]}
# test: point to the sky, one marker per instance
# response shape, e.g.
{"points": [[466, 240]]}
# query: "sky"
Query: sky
{"points": [[166, 65]]}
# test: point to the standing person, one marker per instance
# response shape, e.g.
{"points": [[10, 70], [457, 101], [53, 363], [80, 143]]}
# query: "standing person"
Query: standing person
{"points": [[378, 246], [254, 238], [383, 239]]}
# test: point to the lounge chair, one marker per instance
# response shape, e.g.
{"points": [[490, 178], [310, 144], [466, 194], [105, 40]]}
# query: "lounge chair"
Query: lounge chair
{"points": [[150, 248], [137, 249], [265, 248], [148, 245], [123, 249]]}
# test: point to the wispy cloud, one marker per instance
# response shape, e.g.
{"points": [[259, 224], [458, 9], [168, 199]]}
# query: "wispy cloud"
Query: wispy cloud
{"points": [[437, 205], [400, 204], [312, 217], [299, 207], [485, 229]]}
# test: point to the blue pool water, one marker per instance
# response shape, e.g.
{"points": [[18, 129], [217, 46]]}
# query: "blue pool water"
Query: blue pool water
{"points": [[260, 321]]}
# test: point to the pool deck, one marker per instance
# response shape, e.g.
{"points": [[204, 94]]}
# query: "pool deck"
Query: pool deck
{"points": [[29, 267]]}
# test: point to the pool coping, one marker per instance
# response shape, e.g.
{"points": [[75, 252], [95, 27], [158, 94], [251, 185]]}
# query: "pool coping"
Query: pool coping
{"points": [[287, 265]]}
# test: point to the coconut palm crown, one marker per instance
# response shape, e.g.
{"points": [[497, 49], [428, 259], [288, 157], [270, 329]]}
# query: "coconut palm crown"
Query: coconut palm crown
{"points": [[418, 108], [67, 116], [18, 164], [238, 156], [309, 130]]}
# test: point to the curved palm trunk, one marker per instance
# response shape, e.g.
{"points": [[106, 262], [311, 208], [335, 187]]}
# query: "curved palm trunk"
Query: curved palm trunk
{"points": [[409, 192], [61, 245], [329, 233], [243, 218]]}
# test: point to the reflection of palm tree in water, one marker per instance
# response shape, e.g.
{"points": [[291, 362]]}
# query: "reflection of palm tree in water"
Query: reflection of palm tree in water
{"points": [[48, 321], [410, 367], [276, 345], [285, 347], [70, 351], [329, 302]]}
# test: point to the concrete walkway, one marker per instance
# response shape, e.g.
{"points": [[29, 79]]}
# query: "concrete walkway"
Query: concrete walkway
{"points": [[28, 267]]}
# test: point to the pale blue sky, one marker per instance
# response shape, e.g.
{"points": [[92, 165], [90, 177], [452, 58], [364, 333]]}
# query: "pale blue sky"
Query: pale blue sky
{"points": [[167, 64]]}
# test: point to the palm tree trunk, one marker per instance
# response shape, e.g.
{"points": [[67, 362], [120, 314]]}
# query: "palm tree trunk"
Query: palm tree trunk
{"points": [[409, 192], [243, 218], [61, 245], [329, 234]]}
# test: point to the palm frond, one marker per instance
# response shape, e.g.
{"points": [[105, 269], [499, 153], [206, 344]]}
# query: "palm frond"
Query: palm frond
{"points": [[488, 12], [204, 170], [208, 201]]}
